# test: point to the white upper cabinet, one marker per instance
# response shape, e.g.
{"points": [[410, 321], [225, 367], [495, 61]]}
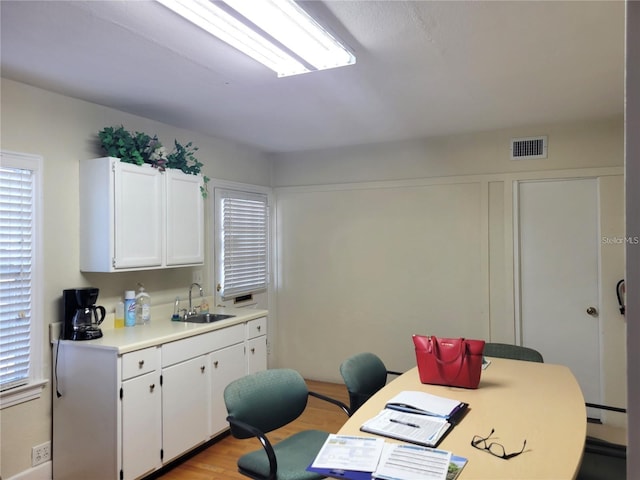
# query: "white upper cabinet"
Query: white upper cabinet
{"points": [[185, 218], [138, 192], [135, 217]]}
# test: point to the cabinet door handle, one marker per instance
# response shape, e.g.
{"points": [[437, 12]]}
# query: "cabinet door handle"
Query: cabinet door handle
{"points": [[141, 364], [202, 368], [215, 364], [259, 327], [253, 350], [152, 387]]}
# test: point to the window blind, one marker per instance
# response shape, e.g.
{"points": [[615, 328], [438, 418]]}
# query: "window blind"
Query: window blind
{"points": [[16, 253], [244, 243]]}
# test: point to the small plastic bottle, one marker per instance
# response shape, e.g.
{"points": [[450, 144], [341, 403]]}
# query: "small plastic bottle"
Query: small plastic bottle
{"points": [[176, 309], [129, 308], [204, 307], [143, 307], [119, 319]]}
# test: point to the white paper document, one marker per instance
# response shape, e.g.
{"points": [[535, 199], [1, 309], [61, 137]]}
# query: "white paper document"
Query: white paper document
{"points": [[424, 402], [410, 427], [343, 452], [412, 462]]}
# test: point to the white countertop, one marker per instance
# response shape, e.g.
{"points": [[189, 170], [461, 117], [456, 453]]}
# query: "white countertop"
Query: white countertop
{"points": [[161, 330]]}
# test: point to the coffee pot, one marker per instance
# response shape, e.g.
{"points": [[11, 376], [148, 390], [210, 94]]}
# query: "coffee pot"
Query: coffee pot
{"points": [[87, 320], [81, 316]]}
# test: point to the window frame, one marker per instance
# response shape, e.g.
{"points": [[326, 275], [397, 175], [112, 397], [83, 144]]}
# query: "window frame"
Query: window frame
{"points": [[242, 189], [36, 381]]}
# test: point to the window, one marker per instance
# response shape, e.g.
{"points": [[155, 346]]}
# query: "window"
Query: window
{"points": [[20, 312], [242, 247]]}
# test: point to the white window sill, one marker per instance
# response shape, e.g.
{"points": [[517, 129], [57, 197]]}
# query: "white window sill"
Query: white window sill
{"points": [[25, 393]]}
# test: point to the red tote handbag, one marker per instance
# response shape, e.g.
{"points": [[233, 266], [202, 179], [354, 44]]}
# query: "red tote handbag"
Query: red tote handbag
{"points": [[456, 362]]}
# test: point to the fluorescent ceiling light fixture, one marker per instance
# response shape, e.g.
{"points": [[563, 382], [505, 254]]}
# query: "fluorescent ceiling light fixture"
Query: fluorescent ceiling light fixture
{"points": [[287, 39]]}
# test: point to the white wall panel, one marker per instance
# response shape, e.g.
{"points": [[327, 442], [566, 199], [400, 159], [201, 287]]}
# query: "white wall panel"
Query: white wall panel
{"points": [[365, 268]]}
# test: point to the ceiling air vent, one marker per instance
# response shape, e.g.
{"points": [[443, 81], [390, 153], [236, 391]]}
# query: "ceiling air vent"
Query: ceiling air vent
{"points": [[528, 148]]}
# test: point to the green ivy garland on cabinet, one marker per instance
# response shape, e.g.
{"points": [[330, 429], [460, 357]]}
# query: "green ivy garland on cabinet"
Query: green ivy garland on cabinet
{"points": [[139, 148]]}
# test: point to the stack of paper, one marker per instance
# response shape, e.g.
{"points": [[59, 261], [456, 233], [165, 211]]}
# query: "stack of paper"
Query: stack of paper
{"points": [[366, 458], [410, 427], [411, 462], [427, 404], [350, 457], [417, 417]]}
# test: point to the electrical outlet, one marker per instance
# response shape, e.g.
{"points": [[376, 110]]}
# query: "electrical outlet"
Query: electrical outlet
{"points": [[197, 276], [40, 454]]}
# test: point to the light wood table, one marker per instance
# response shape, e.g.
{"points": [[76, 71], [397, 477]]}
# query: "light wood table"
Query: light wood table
{"points": [[539, 402]]}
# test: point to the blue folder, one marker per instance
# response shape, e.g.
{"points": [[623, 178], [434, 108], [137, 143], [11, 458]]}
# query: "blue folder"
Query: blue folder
{"points": [[340, 473]]}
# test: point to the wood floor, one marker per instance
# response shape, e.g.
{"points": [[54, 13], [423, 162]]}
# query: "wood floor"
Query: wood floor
{"points": [[219, 460]]}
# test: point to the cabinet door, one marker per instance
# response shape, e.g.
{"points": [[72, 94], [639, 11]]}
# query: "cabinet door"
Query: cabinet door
{"points": [[227, 364], [257, 354], [185, 218], [185, 415], [138, 207], [141, 425]]}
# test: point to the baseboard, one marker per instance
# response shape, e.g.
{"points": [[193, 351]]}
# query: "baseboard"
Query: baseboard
{"points": [[41, 472]]}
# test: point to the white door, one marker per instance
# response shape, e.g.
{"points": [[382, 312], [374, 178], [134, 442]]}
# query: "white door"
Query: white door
{"points": [[559, 234]]}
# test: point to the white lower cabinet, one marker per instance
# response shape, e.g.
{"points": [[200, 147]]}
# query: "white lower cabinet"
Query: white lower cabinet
{"points": [[141, 425], [226, 365], [257, 354], [184, 407], [124, 416], [257, 345], [141, 414], [193, 407]]}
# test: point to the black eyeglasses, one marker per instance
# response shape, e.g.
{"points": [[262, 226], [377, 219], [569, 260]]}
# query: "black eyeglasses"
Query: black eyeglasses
{"points": [[494, 448]]}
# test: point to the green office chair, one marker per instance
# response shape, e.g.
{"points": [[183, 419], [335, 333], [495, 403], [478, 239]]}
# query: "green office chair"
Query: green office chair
{"points": [[267, 400], [515, 352], [364, 374]]}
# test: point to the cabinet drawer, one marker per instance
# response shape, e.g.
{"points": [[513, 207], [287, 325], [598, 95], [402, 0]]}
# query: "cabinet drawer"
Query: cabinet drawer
{"points": [[256, 327], [139, 362], [182, 350]]}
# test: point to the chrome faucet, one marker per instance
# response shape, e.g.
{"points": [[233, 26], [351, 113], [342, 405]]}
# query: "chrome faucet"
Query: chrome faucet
{"points": [[191, 312]]}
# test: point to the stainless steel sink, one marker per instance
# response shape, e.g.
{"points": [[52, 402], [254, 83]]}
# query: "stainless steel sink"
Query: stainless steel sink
{"points": [[205, 318]]}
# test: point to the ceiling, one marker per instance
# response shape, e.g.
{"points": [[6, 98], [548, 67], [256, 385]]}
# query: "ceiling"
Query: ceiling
{"points": [[423, 68]]}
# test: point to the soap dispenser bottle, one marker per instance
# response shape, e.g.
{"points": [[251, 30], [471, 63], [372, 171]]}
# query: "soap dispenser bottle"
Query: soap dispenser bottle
{"points": [[143, 306]]}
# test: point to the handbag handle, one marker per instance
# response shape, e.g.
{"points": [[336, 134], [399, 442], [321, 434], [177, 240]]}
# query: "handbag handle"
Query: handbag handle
{"points": [[459, 357], [433, 344]]}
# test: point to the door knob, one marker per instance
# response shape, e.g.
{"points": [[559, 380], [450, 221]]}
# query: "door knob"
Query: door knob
{"points": [[593, 311]]}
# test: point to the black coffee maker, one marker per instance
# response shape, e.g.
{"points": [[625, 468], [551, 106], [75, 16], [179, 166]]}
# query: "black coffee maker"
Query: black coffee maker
{"points": [[81, 316]]}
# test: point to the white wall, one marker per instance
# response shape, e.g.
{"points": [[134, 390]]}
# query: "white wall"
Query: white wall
{"points": [[579, 145], [364, 268], [64, 131], [366, 258]]}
